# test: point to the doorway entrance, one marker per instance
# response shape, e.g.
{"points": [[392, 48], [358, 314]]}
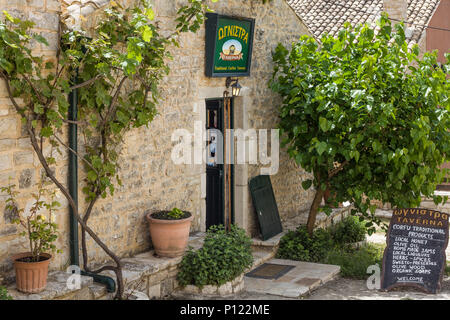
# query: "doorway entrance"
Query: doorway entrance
{"points": [[219, 174]]}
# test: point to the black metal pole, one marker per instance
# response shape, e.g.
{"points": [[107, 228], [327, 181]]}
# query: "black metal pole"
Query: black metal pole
{"points": [[73, 190], [73, 175]]}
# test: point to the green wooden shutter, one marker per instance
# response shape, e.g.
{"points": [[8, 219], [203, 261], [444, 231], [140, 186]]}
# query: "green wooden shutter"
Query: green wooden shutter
{"points": [[265, 206]]}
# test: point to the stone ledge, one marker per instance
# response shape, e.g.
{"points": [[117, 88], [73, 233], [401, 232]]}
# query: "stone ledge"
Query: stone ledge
{"points": [[272, 242], [383, 214], [155, 276], [56, 288], [229, 288], [322, 220]]}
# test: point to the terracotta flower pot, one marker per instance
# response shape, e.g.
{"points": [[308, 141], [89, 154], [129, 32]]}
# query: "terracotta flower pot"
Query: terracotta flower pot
{"points": [[31, 277], [169, 237]]}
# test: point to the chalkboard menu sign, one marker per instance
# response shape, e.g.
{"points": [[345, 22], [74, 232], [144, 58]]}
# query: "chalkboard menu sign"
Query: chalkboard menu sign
{"points": [[415, 252]]}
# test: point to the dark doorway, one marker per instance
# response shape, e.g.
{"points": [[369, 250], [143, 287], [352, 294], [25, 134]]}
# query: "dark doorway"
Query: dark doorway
{"points": [[215, 178]]}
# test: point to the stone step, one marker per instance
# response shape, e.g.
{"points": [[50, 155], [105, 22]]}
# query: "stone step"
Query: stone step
{"points": [[260, 256], [297, 282], [265, 250], [270, 243]]}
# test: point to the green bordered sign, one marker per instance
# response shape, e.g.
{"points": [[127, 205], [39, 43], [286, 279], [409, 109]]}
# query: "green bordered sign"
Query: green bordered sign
{"points": [[229, 42]]}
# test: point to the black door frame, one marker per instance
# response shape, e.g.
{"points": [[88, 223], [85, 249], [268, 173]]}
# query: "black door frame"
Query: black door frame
{"points": [[221, 111]]}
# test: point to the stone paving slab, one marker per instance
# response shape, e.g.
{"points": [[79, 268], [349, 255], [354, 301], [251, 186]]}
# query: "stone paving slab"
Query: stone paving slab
{"points": [[299, 281]]}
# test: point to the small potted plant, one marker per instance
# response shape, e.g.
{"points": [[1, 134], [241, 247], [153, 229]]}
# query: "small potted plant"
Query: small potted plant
{"points": [[169, 231], [32, 267]]}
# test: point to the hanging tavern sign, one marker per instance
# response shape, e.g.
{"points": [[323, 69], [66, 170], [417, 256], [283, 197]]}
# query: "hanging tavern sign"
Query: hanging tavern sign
{"points": [[229, 42], [415, 252]]}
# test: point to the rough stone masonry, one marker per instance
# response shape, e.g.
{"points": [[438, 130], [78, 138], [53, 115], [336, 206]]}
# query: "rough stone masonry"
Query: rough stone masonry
{"points": [[151, 181]]}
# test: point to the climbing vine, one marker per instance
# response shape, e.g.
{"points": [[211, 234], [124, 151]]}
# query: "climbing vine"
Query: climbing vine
{"points": [[115, 71]]}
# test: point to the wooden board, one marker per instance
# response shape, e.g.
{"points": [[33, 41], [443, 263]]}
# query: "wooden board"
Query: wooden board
{"points": [[415, 252], [265, 206]]}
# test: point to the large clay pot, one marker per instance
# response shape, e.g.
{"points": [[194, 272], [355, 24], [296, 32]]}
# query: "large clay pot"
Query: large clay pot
{"points": [[31, 277], [169, 237]]}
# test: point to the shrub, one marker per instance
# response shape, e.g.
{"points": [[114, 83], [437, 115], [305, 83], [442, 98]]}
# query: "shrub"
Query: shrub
{"points": [[299, 245], [328, 246], [4, 294], [292, 247], [223, 257], [354, 263], [348, 230]]}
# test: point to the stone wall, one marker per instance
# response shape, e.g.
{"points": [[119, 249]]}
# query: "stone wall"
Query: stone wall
{"points": [[396, 9], [18, 163], [151, 180]]}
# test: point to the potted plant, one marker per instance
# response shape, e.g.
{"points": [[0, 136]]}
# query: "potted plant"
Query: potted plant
{"points": [[32, 267], [169, 231]]}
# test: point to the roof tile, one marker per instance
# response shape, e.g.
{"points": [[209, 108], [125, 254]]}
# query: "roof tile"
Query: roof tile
{"points": [[335, 14]]}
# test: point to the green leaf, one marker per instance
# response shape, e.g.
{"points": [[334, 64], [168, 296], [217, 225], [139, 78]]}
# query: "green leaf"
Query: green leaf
{"points": [[147, 34], [306, 184], [323, 123], [321, 147], [92, 176], [40, 39], [9, 17], [150, 13], [46, 132]]}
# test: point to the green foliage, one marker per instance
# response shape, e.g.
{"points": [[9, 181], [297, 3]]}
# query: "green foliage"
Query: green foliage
{"points": [[116, 71], [40, 229], [322, 247], [354, 262], [175, 213], [366, 115], [349, 230], [223, 257], [299, 245], [4, 294]]}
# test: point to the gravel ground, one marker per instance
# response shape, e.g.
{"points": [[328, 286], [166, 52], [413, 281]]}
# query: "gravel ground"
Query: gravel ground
{"points": [[341, 289], [348, 289]]}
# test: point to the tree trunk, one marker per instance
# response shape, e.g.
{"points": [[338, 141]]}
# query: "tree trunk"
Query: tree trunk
{"points": [[313, 210]]}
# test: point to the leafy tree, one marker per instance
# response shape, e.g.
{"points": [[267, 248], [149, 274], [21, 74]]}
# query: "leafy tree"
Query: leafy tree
{"points": [[116, 71], [366, 116]]}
